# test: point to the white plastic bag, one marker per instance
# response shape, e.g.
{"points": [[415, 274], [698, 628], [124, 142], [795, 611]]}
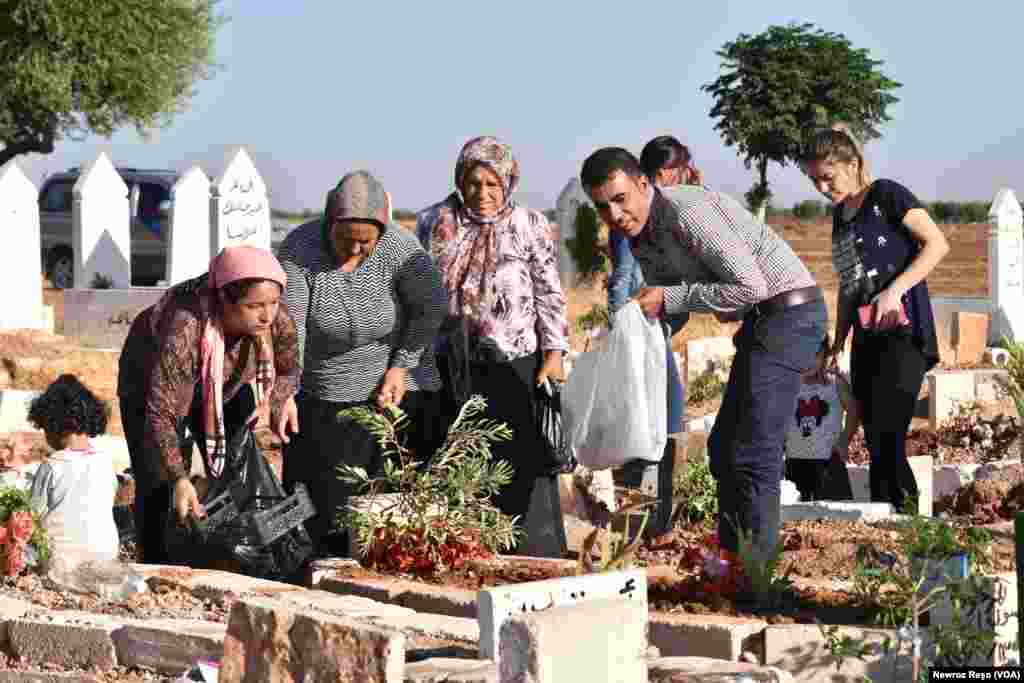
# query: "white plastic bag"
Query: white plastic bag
{"points": [[614, 404]]}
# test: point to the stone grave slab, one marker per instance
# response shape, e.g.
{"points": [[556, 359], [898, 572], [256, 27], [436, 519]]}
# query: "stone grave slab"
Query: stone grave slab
{"points": [[188, 250], [21, 258], [239, 209], [830, 509], [946, 390], [496, 605], [101, 237], [14, 404], [970, 336], [704, 635], [168, 645], [451, 670], [698, 669], [800, 650], [544, 646], [1005, 267]]}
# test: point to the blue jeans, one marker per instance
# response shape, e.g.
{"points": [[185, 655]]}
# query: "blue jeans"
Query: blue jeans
{"points": [[745, 445]]}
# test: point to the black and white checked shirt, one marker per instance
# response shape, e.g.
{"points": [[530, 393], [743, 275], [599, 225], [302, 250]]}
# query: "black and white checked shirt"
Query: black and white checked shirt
{"points": [[712, 255], [353, 326]]}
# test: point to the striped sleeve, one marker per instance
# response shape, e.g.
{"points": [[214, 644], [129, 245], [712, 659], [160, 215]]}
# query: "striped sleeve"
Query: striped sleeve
{"points": [[296, 293], [424, 302], [724, 252]]}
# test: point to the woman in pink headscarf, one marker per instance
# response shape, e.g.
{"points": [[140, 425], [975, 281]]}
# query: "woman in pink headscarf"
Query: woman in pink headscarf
{"points": [[506, 331], [211, 355]]}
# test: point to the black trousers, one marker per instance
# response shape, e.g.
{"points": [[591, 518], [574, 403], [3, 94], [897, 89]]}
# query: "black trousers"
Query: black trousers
{"points": [[153, 492], [509, 389], [887, 372], [324, 441]]}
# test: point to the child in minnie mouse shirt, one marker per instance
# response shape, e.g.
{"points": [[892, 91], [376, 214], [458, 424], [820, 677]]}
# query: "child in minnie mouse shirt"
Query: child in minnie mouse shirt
{"points": [[818, 431]]}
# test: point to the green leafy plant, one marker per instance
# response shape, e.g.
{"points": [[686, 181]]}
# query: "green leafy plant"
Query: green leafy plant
{"points": [[23, 541], [695, 494], [101, 281], [705, 387], [763, 580], [430, 517], [617, 551], [842, 647], [594, 319], [1013, 382], [585, 248]]}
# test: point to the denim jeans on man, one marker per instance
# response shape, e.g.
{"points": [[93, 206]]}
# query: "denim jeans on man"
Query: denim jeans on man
{"points": [[745, 445]]}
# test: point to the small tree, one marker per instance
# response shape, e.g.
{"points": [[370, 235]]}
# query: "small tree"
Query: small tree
{"points": [[585, 248], [69, 67], [780, 84]]}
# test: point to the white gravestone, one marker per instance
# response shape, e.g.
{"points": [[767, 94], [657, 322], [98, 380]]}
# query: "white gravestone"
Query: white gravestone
{"points": [[188, 251], [240, 210], [1005, 268], [21, 263], [101, 237], [569, 202], [495, 605]]}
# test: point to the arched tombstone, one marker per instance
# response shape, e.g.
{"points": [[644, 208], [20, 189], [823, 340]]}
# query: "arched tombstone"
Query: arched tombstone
{"points": [[101, 218], [239, 207], [188, 250], [1006, 267], [21, 262], [569, 202]]}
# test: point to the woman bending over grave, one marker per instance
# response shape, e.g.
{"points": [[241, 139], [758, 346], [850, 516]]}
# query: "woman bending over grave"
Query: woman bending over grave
{"points": [[884, 245], [367, 302], [506, 331], [74, 488], [213, 355]]}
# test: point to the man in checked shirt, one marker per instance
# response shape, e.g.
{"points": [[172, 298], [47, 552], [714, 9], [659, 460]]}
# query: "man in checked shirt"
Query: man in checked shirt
{"points": [[702, 252]]}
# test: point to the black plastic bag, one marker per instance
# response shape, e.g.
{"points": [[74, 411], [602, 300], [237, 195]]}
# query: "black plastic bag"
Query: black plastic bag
{"points": [[252, 525], [558, 455]]}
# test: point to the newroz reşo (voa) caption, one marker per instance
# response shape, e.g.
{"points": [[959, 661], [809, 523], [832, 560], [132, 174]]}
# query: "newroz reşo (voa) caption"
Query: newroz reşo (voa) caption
{"points": [[977, 673]]}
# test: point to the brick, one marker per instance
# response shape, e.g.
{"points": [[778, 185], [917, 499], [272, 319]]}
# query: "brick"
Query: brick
{"points": [[945, 391], [544, 646]]}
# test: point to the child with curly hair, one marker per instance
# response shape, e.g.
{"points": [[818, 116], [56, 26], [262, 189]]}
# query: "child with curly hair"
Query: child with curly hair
{"points": [[74, 489]]}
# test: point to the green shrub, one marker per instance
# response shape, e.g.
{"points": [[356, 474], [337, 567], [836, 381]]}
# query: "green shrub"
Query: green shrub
{"points": [[591, 260], [695, 494], [809, 210], [705, 387]]}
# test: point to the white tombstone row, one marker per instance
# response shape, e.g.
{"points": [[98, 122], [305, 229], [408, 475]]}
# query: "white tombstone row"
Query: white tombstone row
{"points": [[101, 235], [569, 202], [239, 206], [188, 252], [21, 257], [1006, 267]]}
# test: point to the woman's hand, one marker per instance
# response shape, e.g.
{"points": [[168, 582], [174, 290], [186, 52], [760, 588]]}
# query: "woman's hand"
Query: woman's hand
{"points": [[552, 367], [652, 301], [186, 501], [288, 421], [887, 309], [842, 451], [392, 388]]}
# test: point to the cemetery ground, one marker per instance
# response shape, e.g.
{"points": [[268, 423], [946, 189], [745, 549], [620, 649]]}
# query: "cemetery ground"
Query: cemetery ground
{"points": [[821, 553]]}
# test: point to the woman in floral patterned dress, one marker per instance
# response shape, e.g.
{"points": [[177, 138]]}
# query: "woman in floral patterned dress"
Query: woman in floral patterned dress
{"points": [[506, 330]]}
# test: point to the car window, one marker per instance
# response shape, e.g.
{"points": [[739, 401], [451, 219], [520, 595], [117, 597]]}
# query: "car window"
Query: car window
{"points": [[150, 196], [57, 196]]}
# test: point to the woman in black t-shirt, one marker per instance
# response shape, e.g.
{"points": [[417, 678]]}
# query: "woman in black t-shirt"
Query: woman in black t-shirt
{"points": [[884, 245]]}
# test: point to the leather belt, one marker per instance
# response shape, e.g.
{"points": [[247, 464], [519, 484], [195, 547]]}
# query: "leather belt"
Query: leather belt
{"points": [[793, 297]]}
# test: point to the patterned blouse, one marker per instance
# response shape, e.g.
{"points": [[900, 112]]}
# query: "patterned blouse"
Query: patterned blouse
{"points": [[526, 304], [169, 366]]}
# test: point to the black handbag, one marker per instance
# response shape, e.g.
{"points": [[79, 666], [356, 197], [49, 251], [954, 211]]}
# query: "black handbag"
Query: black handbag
{"points": [[558, 454], [252, 525]]}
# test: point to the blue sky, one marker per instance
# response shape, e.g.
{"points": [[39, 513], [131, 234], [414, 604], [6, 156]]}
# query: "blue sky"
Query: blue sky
{"points": [[316, 88]]}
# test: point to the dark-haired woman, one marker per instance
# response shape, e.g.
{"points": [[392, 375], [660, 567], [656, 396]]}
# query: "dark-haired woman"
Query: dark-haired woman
{"points": [[212, 355], [74, 489], [884, 245]]}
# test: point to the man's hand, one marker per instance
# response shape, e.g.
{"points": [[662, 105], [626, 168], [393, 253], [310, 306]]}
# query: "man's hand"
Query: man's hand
{"points": [[887, 311], [186, 501], [288, 421], [842, 451], [652, 301], [392, 388], [552, 367]]}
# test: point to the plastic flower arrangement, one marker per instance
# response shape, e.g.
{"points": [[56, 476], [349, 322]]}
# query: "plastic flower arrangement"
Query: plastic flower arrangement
{"points": [[23, 542]]}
